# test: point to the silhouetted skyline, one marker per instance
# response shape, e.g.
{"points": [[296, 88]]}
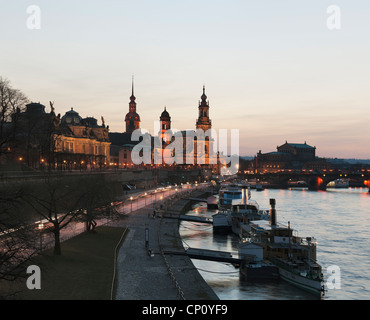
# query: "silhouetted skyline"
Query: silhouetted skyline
{"points": [[272, 69]]}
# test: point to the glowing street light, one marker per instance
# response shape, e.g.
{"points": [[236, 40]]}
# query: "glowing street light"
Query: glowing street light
{"points": [[41, 227]]}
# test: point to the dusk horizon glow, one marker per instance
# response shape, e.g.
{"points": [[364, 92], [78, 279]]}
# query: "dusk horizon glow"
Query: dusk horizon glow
{"points": [[272, 70]]}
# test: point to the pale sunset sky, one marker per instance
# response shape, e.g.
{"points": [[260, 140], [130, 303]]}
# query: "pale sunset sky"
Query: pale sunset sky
{"points": [[272, 69]]}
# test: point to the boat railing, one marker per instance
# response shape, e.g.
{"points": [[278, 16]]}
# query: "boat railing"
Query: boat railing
{"points": [[308, 241]]}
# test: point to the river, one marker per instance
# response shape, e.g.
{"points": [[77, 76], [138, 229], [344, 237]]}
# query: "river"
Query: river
{"points": [[339, 219]]}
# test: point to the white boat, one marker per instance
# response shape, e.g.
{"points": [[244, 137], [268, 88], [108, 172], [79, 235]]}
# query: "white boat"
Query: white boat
{"points": [[298, 274], [241, 212], [227, 193], [295, 257]]}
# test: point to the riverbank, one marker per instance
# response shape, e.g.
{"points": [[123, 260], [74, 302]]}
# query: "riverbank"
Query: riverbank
{"points": [[166, 274]]}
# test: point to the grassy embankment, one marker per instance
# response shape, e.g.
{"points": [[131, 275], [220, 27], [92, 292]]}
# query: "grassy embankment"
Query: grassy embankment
{"points": [[84, 271]]}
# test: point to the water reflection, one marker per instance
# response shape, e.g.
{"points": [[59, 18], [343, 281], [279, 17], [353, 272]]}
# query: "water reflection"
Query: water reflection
{"points": [[338, 219]]}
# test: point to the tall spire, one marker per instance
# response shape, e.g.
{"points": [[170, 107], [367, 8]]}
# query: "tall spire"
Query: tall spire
{"points": [[132, 119], [204, 97], [132, 94]]}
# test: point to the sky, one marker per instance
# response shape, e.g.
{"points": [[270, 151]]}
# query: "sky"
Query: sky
{"points": [[274, 70]]}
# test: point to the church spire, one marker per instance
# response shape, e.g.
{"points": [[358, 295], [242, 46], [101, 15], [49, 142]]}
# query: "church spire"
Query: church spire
{"points": [[204, 96], [132, 119], [133, 98]]}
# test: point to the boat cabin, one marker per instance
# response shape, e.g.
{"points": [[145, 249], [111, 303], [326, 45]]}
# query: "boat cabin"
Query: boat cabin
{"points": [[282, 241]]}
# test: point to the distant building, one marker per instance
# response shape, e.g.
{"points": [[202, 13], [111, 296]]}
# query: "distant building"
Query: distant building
{"points": [[122, 144], [45, 140], [289, 156], [81, 142], [32, 132], [299, 151]]}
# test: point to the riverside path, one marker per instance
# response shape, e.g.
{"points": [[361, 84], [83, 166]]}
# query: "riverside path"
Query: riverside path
{"points": [[159, 276]]}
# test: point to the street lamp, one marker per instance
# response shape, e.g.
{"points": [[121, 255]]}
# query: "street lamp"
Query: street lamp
{"points": [[161, 205], [131, 198], [145, 194], [41, 227]]}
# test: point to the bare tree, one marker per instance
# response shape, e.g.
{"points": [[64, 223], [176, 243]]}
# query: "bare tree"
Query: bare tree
{"points": [[17, 237], [98, 200], [58, 203], [12, 102]]}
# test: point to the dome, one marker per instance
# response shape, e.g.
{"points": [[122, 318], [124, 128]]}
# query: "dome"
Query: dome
{"points": [[165, 114], [71, 118]]}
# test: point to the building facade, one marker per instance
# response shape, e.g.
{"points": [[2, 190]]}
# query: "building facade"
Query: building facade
{"points": [[289, 156], [82, 143], [45, 140], [161, 154]]}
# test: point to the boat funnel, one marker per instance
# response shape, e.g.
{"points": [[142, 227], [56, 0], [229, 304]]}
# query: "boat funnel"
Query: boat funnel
{"points": [[272, 212], [244, 195]]}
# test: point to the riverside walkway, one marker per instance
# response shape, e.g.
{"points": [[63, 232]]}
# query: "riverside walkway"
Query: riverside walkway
{"points": [[164, 275]]}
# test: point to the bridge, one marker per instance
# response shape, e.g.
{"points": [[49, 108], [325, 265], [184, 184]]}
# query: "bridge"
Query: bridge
{"points": [[313, 180], [210, 255]]}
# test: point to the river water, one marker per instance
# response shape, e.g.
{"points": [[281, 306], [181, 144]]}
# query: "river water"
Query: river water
{"points": [[339, 219]]}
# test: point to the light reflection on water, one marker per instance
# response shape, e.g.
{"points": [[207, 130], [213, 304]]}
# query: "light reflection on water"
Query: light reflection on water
{"points": [[337, 218]]}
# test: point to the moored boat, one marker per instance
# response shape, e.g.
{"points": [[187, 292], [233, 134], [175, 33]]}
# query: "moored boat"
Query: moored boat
{"points": [[241, 212], [227, 193], [294, 256]]}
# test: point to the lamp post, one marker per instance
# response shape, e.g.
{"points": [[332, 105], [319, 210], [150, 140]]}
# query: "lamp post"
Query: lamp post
{"points": [[161, 205], [41, 227], [145, 194], [131, 198]]}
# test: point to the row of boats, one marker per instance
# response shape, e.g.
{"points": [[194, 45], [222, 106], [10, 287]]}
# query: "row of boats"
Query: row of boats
{"points": [[268, 249]]}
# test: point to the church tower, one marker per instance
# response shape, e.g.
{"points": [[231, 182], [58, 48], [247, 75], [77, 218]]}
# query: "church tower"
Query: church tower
{"points": [[165, 120], [132, 119], [204, 122]]}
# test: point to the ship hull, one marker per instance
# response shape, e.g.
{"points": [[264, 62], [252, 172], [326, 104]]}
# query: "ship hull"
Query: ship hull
{"points": [[259, 273], [309, 285]]}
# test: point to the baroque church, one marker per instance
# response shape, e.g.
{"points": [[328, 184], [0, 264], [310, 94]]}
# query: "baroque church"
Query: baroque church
{"points": [[122, 145]]}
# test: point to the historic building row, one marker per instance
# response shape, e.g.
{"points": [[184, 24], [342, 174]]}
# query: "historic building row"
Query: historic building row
{"points": [[42, 139]]}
